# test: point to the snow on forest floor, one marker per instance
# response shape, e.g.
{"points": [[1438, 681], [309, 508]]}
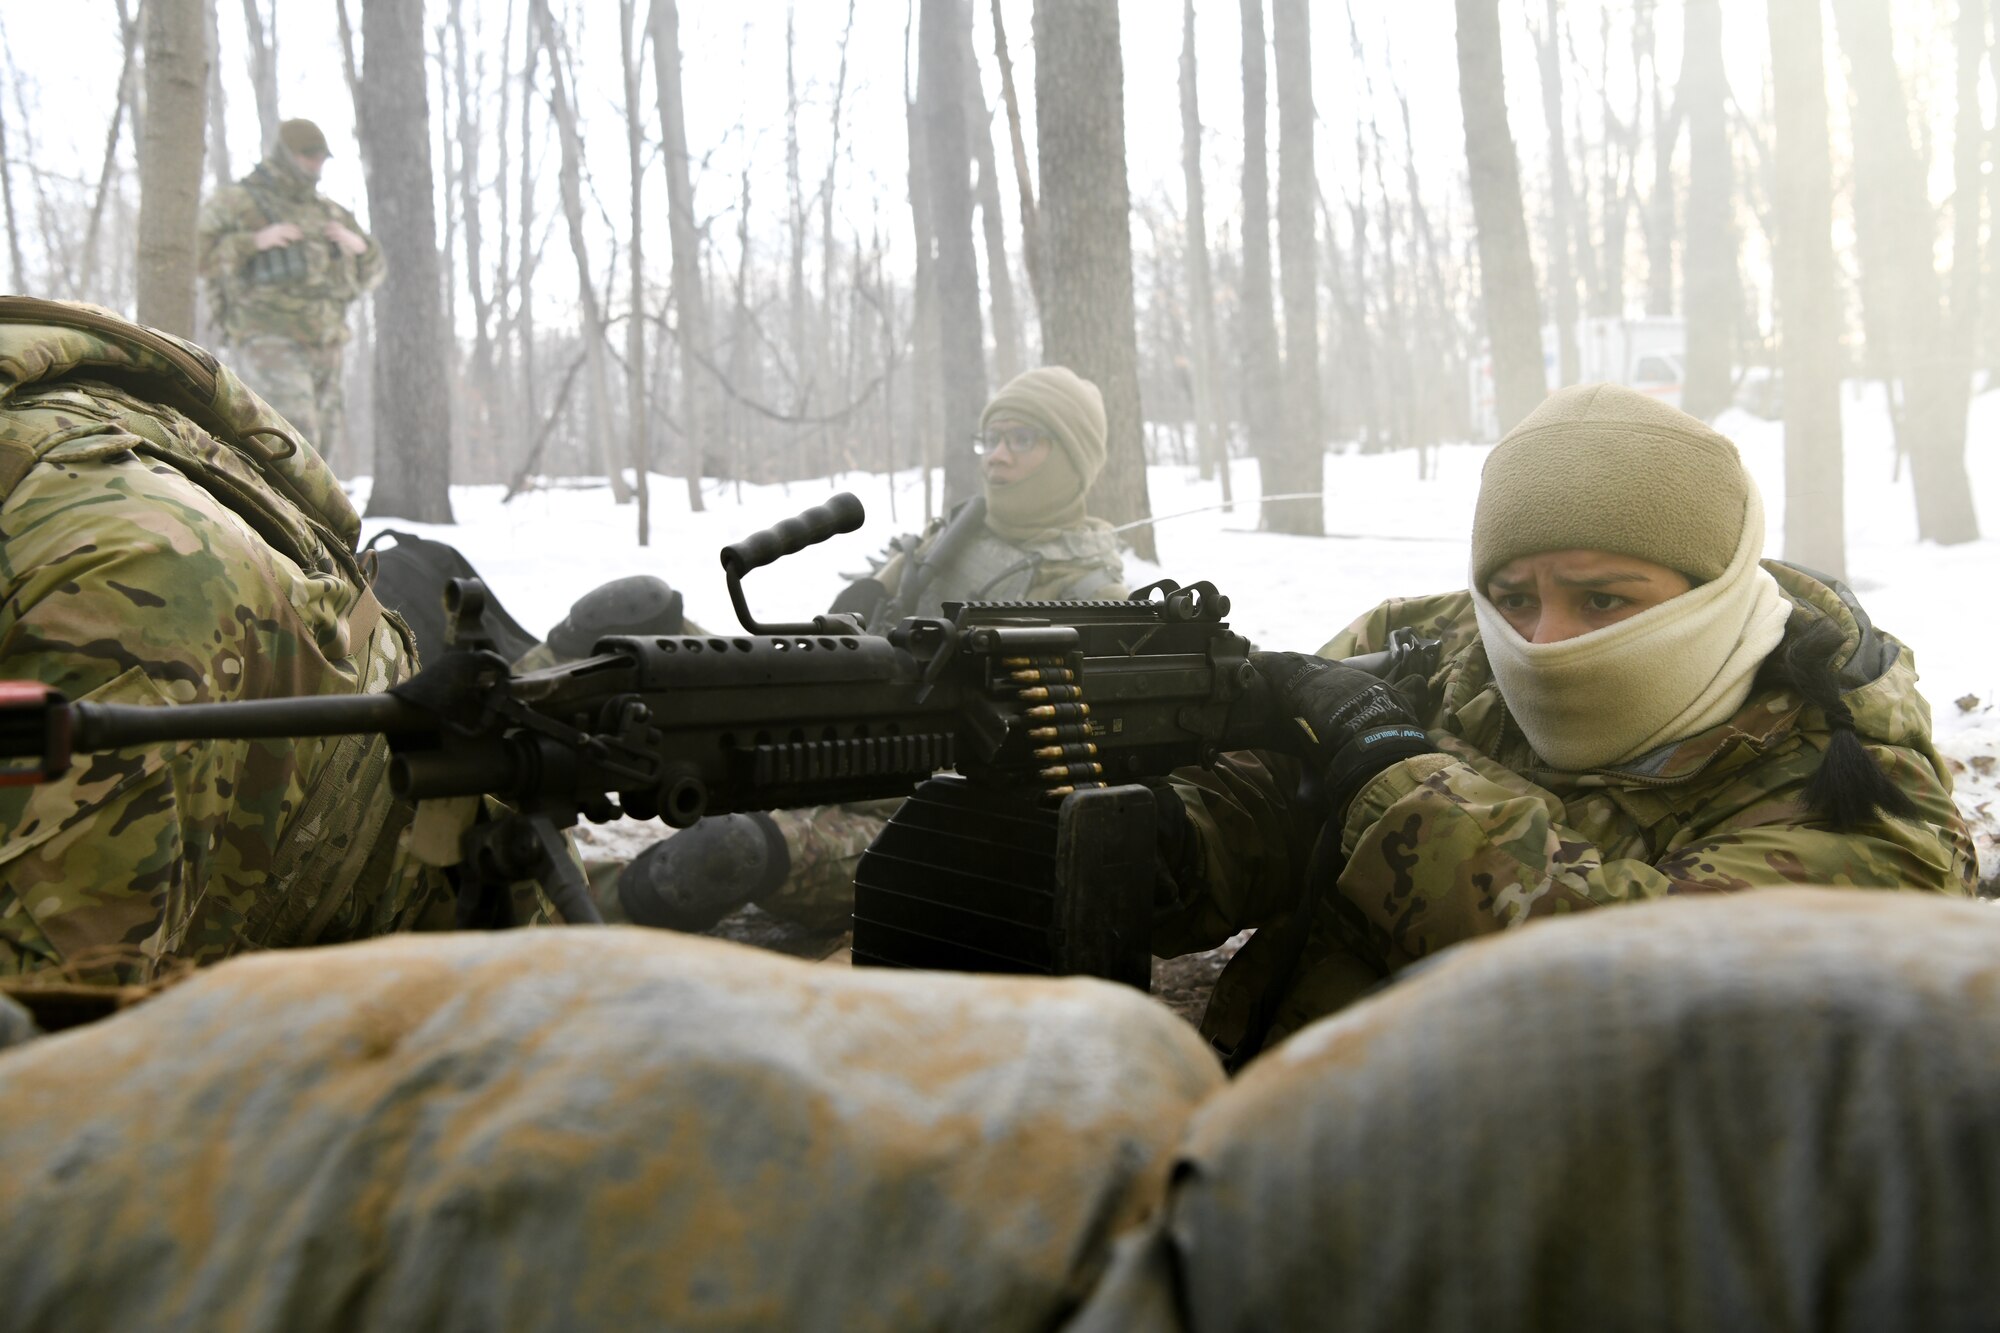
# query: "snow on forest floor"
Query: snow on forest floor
{"points": [[1390, 533]]}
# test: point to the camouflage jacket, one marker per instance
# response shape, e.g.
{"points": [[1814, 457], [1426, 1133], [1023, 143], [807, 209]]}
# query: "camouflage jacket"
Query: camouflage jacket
{"points": [[155, 554], [1057, 564], [1483, 836], [299, 291]]}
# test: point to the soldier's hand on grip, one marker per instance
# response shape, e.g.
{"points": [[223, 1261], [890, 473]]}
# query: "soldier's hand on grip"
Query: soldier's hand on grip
{"points": [[1348, 724]]}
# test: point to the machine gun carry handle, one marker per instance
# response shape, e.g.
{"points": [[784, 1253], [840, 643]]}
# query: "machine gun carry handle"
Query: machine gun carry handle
{"points": [[842, 513]]}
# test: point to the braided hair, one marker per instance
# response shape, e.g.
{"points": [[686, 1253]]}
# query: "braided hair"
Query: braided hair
{"points": [[1849, 787]]}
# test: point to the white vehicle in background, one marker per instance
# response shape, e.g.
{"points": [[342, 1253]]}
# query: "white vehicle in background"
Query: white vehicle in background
{"points": [[1648, 354]]}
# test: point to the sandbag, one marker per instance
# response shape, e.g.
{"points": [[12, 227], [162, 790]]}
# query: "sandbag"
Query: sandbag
{"points": [[584, 1129], [1775, 1110]]}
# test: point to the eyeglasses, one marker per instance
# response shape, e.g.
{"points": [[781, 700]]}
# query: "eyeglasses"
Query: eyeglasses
{"points": [[1016, 440]]}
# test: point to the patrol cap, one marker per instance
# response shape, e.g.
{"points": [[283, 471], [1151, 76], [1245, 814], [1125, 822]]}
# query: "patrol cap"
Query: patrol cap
{"points": [[1605, 468], [303, 138], [635, 604]]}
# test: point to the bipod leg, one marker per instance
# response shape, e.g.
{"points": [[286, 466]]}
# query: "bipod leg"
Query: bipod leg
{"points": [[502, 851]]}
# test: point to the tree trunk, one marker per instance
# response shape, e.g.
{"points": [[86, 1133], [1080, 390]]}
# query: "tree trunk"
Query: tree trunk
{"points": [[827, 350], [1895, 232], [530, 258], [126, 104], [632, 52], [1971, 185], [804, 374], [218, 104], [471, 186], [1301, 460], [1714, 289], [412, 393], [1562, 203], [690, 302], [1263, 382], [1031, 228], [1088, 320], [924, 373], [961, 339], [15, 267], [597, 373], [262, 35], [1660, 212], [1209, 427], [1808, 292], [170, 156], [993, 223], [1506, 269]]}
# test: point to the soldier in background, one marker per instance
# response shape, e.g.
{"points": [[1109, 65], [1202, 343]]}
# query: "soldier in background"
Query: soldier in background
{"points": [[283, 263], [1026, 536]]}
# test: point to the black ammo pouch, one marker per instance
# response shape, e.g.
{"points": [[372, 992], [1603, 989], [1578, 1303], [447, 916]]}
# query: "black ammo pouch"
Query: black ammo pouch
{"points": [[279, 264]]}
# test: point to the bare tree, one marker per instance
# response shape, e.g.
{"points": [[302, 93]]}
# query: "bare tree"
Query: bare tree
{"points": [[472, 224], [170, 163], [1506, 269], [1299, 464], [218, 104], [690, 302], [826, 237], [1659, 212], [262, 32], [412, 393], [633, 57], [1808, 293], [1895, 239], [530, 256], [925, 389], [1088, 319], [1031, 229], [1562, 202], [1007, 351], [1714, 290], [16, 267], [1209, 427], [1262, 378], [597, 372], [125, 106], [961, 342]]}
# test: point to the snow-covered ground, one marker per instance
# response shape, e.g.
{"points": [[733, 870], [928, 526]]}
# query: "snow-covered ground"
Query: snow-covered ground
{"points": [[1391, 533]]}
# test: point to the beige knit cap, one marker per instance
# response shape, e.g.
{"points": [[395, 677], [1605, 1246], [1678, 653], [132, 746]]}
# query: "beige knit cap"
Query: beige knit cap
{"points": [[1062, 403], [1604, 468]]}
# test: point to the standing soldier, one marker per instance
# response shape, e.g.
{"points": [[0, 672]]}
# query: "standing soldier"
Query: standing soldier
{"points": [[283, 263]]}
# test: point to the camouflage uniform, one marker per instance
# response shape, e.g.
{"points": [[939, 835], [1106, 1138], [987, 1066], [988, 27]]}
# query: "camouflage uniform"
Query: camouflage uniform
{"points": [[283, 311], [157, 556], [1482, 836]]}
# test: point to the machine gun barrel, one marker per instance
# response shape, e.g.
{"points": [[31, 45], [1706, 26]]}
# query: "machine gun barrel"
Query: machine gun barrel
{"points": [[114, 726]]}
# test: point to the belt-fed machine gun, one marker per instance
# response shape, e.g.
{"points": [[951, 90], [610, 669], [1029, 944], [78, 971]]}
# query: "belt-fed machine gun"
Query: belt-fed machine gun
{"points": [[1021, 731]]}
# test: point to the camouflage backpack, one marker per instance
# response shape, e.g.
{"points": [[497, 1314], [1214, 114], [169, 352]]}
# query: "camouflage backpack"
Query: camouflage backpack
{"points": [[140, 859]]}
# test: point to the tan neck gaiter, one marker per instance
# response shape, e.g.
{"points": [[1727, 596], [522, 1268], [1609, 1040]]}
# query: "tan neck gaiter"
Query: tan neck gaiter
{"points": [[1049, 497], [1611, 695]]}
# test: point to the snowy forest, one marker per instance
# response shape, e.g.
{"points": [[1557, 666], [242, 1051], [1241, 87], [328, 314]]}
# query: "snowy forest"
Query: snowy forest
{"points": [[1266, 231]]}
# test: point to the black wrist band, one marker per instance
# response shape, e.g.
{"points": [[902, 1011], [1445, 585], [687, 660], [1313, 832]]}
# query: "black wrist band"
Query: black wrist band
{"points": [[1362, 758]]}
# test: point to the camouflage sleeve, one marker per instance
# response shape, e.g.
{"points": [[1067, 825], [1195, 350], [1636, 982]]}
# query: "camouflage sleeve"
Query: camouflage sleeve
{"points": [[228, 231], [1249, 852], [1441, 849]]}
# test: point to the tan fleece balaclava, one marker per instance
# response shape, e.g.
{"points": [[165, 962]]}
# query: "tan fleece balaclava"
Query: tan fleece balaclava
{"points": [[1068, 407], [1604, 468]]}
